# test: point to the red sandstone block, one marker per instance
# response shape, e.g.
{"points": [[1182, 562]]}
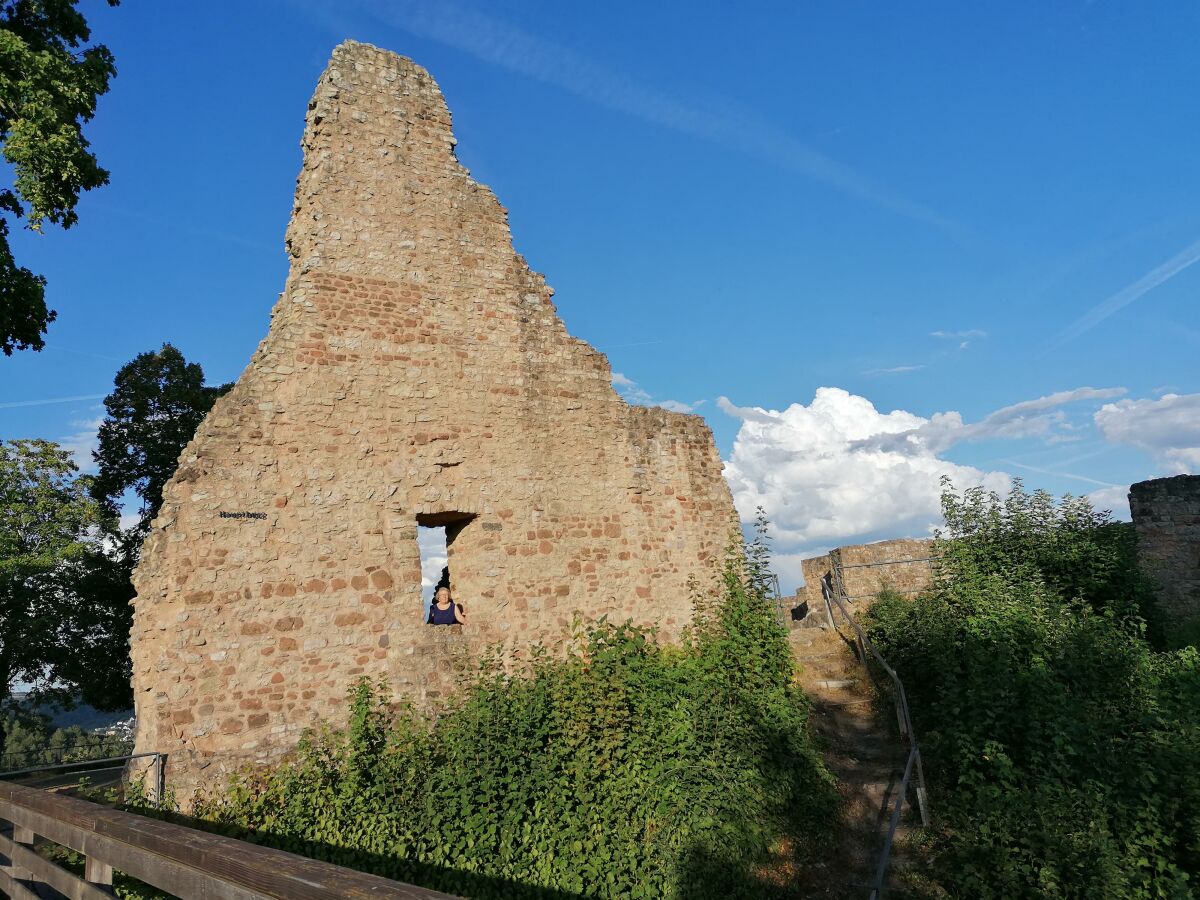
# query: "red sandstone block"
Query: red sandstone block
{"points": [[255, 628], [351, 618], [381, 579], [258, 720]]}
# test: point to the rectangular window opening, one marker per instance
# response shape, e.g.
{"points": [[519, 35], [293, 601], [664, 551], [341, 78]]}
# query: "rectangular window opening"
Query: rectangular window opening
{"points": [[435, 541], [434, 557]]}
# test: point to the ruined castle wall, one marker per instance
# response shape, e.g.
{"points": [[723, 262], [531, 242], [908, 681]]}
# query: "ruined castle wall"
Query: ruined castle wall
{"points": [[902, 565], [1166, 515], [415, 372]]}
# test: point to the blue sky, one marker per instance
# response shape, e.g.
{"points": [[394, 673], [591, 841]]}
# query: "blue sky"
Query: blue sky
{"points": [[936, 213]]}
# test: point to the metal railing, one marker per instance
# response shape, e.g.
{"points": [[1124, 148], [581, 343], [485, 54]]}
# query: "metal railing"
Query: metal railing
{"points": [[108, 763], [863, 646], [182, 861]]}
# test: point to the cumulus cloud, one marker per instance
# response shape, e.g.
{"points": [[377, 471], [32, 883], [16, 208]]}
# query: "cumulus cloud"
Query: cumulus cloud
{"points": [[1115, 499], [825, 479], [1041, 417], [1167, 428]]}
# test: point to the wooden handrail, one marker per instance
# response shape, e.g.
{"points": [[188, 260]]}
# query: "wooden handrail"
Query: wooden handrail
{"points": [[183, 861]]}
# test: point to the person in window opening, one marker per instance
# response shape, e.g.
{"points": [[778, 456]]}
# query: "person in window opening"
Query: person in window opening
{"points": [[444, 611]]}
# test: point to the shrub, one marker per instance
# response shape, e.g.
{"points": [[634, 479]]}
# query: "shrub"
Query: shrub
{"points": [[618, 768], [1063, 752]]}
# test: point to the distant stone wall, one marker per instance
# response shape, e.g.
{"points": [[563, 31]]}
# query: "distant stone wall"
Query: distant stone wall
{"points": [[1166, 515], [415, 373], [900, 565]]}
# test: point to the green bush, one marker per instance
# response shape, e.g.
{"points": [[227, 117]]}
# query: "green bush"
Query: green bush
{"points": [[615, 768], [1062, 750]]}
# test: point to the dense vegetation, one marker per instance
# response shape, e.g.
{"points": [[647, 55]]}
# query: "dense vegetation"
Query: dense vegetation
{"points": [[1063, 750], [616, 768], [31, 741], [63, 612]]}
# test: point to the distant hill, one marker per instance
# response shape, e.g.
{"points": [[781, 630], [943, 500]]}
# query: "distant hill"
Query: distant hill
{"points": [[84, 716]]}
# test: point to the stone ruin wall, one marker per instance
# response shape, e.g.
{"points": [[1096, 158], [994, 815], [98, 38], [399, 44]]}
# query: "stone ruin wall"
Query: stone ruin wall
{"points": [[1166, 515], [415, 372], [906, 569]]}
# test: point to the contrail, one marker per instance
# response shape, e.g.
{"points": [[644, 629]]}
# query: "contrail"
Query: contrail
{"points": [[12, 404], [1122, 298], [1041, 471], [502, 44]]}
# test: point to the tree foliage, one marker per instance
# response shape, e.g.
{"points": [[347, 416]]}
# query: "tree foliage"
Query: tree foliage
{"points": [[619, 768], [158, 401], [48, 91], [57, 630], [1063, 751]]}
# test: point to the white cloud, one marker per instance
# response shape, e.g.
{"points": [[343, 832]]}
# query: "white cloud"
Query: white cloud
{"points": [[1167, 428], [432, 543], [632, 393], [676, 406], [1114, 498], [822, 480], [82, 443], [1040, 417]]}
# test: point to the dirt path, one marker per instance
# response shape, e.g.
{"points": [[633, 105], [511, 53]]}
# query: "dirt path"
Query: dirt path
{"points": [[866, 757]]}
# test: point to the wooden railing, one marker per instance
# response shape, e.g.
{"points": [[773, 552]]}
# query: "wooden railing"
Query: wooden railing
{"points": [[183, 861]]}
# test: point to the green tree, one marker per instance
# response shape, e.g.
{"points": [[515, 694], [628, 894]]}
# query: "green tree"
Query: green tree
{"points": [[1063, 751], [48, 90], [50, 538], [158, 401]]}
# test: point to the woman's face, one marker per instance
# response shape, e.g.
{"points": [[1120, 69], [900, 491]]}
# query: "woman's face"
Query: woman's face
{"points": [[443, 595]]}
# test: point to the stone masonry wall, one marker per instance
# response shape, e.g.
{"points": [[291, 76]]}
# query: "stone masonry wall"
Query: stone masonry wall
{"points": [[1166, 515], [415, 372], [900, 565]]}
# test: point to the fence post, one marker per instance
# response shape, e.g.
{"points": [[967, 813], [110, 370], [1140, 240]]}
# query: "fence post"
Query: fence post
{"points": [[921, 799], [24, 837], [99, 873], [160, 760]]}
